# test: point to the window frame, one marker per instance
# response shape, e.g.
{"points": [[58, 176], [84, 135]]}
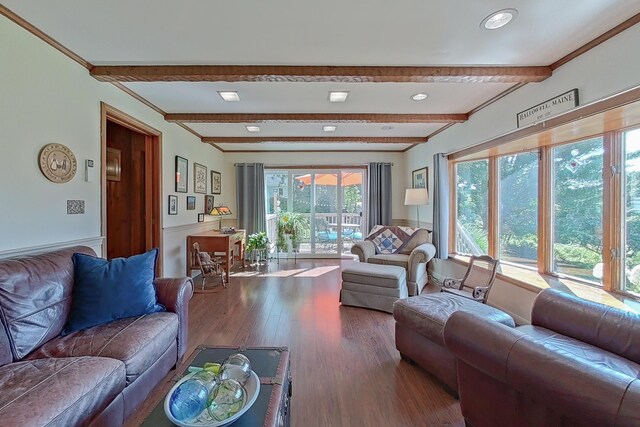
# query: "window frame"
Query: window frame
{"points": [[613, 210]]}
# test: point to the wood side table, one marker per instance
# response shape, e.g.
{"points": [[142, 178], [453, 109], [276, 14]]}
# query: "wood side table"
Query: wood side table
{"points": [[231, 244]]}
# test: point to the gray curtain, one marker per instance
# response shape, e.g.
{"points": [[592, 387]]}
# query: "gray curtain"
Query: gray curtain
{"points": [[441, 206], [379, 194], [250, 197]]}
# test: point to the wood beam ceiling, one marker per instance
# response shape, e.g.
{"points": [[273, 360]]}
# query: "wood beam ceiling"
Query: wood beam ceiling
{"points": [[314, 74], [314, 118], [312, 139]]}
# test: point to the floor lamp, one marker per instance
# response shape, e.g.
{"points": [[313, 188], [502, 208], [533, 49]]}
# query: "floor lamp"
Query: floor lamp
{"points": [[416, 197]]}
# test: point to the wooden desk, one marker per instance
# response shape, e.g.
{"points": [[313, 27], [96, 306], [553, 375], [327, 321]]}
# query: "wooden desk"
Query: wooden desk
{"points": [[232, 245]]}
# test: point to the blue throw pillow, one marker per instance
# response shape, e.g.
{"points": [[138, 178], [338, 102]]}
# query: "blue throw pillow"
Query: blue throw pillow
{"points": [[105, 291]]}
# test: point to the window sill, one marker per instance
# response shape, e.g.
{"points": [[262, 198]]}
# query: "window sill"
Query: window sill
{"points": [[535, 282]]}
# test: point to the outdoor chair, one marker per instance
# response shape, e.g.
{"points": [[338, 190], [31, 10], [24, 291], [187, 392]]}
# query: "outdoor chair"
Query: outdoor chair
{"points": [[324, 235], [478, 280]]}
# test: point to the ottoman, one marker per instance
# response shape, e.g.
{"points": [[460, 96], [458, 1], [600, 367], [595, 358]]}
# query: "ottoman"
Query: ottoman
{"points": [[419, 331], [373, 286]]}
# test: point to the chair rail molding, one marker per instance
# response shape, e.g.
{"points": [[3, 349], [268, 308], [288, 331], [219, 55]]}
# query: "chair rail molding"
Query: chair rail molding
{"points": [[96, 243]]}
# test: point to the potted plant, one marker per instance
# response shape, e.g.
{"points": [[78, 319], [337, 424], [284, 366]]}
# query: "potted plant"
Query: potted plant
{"points": [[257, 243], [291, 228]]}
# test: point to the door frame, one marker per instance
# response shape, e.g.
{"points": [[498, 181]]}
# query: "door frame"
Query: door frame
{"points": [[154, 143]]}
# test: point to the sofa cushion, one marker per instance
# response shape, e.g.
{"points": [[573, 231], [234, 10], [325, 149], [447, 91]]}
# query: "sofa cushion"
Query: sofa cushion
{"points": [[110, 290], [390, 239], [35, 297], [136, 341], [427, 314], [399, 260], [419, 237], [58, 392]]}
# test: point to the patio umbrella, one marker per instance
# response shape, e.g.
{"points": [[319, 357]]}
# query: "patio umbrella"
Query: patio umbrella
{"points": [[348, 178]]}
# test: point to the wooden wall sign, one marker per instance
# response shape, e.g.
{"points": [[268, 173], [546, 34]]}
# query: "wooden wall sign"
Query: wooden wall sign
{"points": [[57, 163], [550, 108]]}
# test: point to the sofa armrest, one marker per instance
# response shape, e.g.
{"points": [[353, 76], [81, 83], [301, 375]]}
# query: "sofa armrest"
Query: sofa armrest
{"points": [[551, 376], [364, 250], [174, 294], [420, 254]]}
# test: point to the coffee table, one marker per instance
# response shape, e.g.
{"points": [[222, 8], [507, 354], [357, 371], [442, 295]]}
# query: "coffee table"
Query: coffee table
{"points": [[271, 364]]}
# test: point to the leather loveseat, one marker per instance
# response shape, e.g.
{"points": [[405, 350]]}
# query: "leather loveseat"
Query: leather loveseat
{"points": [[413, 258], [96, 376], [577, 364]]}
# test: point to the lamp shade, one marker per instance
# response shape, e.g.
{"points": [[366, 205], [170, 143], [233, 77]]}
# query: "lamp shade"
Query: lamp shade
{"points": [[416, 196]]}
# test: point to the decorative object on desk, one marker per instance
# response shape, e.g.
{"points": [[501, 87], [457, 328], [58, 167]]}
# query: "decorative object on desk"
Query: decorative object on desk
{"points": [[208, 204], [291, 228], [221, 210], [173, 205], [257, 246], [182, 175], [200, 217], [228, 230], [250, 392], [419, 178], [236, 367], [191, 203], [57, 163], [216, 182], [416, 197], [199, 178], [114, 164]]}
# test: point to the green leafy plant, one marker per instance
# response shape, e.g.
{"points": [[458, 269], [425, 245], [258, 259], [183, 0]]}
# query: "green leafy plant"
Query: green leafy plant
{"points": [[257, 241], [291, 225]]}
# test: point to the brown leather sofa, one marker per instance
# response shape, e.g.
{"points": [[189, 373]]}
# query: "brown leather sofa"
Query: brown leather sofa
{"points": [[577, 364], [96, 377]]}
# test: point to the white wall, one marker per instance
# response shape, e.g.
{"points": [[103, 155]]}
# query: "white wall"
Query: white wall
{"points": [[398, 171], [46, 97], [610, 68]]}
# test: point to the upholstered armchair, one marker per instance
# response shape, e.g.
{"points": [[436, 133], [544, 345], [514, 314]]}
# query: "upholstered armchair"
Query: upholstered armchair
{"points": [[413, 258]]}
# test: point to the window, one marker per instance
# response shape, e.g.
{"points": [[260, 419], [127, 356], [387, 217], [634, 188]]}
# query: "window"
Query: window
{"points": [[631, 214], [472, 192], [518, 208], [577, 197]]}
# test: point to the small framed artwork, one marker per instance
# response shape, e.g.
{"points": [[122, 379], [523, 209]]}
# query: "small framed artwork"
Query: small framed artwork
{"points": [[191, 203], [173, 205], [216, 182], [199, 178], [208, 204], [419, 178], [200, 217], [182, 175], [113, 166]]}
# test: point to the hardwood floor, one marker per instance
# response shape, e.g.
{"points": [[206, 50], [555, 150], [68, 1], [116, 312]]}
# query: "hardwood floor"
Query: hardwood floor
{"points": [[346, 370]]}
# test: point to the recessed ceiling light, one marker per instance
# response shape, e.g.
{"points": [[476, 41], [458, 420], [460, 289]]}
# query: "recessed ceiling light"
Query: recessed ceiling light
{"points": [[229, 96], [253, 128], [499, 19], [338, 96], [386, 127], [329, 128], [419, 96]]}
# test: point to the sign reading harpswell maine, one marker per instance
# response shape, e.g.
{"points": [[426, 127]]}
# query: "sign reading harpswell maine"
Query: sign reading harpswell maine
{"points": [[548, 109]]}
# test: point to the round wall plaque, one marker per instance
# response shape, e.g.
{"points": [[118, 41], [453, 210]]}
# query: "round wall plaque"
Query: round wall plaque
{"points": [[58, 163]]}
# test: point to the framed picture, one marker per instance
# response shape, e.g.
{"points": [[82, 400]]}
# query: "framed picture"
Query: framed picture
{"points": [[113, 166], [191, 203], [199, 178], [182, 175], [419, 178], [200, 217], [208, 204], [173, 205], [216, 182]]}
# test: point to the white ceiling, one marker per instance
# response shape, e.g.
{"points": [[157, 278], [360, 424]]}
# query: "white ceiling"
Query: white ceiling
{"points": [[328, 146], [327, 32]]}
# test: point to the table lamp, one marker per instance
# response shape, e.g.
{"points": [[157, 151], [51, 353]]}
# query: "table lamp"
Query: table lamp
{"points": [[416, 197]]}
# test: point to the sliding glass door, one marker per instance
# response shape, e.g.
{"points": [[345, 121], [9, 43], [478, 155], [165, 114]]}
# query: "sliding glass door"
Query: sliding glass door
{"points": [[328, 205]]}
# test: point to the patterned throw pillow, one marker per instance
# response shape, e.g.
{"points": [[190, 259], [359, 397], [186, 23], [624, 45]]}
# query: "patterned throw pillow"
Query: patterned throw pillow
{"points": [[389, 239]]}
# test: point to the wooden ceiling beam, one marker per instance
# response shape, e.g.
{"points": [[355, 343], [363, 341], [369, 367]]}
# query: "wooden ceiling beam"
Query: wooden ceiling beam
{"points": [[315, 74], [311, 139], [314, 118]]}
